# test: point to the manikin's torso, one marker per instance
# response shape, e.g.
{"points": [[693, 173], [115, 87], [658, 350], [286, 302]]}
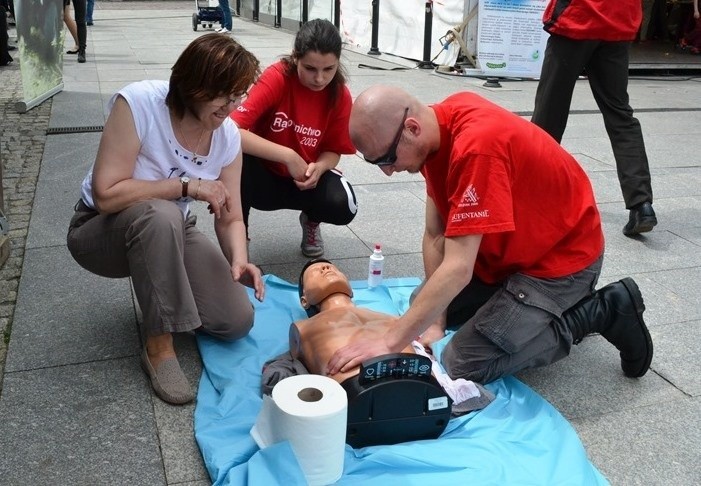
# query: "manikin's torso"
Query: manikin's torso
{"points": [[313, 341]]}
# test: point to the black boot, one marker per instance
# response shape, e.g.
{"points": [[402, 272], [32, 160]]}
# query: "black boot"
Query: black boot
{"points": [[81, 55], [616, 312]]}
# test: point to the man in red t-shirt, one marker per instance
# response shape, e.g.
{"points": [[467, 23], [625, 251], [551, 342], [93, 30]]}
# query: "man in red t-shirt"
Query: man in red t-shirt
{"points": [[512, 246]]}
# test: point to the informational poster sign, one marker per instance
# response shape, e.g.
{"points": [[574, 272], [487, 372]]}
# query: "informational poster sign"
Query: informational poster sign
{"points": [[510, 39], [39, 29]]}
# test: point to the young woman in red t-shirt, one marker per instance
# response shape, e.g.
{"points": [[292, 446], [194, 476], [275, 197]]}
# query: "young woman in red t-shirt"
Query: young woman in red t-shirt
{"points": [[294, 128]]}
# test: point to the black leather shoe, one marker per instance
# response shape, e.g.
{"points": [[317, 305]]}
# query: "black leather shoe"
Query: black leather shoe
{"points": [[81, 55], [642, 219]]}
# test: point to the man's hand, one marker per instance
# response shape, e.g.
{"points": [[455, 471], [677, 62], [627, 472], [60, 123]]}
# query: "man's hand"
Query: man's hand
{"points": [[352, 355], [434, 333]]}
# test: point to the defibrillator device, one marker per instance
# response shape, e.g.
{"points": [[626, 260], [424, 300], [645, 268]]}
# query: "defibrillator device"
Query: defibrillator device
{"points": [[393, 399]]}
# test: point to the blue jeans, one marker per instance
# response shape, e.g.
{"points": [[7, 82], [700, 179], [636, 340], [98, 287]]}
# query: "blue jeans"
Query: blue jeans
{"points": [[224, 5], [88, 12]]}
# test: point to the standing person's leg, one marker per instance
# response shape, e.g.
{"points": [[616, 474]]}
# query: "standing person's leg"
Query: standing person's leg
{"points": [[5, 57], [71, 26], [226, 10], [563, 63], [79, 8], [90, 6], [608, 78]]}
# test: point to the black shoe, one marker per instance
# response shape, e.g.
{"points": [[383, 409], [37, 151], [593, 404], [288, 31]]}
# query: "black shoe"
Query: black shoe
{"points": [[642, 219], [81, 55], [628, 331], [88, 23], [616, 312]]}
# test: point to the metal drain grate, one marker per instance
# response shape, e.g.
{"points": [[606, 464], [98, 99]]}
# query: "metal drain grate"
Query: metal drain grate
{"points": [[64, 130]]}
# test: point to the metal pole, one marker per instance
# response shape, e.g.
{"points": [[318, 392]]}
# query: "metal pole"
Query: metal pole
{"points": [[278, 13], [305, 11], [337, 14], [256, 9], [238, 8], [374, 51], [428, 28]]}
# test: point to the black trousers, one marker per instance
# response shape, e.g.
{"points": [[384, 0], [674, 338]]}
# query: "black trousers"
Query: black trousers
{"points": [[331, 201], [5, 57], [606, 66], [79, 6]]}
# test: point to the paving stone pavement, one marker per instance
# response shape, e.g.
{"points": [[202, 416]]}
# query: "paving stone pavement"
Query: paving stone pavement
{"points": [[76, 409], [22, 139]]}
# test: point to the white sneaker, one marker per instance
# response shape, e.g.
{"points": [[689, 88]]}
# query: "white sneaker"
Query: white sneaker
{"points": [[223, 30], [312, 243]]}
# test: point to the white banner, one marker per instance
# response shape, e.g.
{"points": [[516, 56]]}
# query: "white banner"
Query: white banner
{"points": [[39, 28], [401, 26]]}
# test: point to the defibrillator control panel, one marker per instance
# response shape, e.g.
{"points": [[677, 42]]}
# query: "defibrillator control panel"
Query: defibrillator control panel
{"points": [[399, 365]]}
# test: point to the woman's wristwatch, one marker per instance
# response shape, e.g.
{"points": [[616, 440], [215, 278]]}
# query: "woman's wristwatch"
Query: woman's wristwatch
{"points": [[184, 180]]}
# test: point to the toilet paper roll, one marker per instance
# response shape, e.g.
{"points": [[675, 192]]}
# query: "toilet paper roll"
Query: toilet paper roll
{"points": [[310, 411]]}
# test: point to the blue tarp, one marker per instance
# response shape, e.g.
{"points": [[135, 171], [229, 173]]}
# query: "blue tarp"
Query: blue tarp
{"points": [[518, 439]]}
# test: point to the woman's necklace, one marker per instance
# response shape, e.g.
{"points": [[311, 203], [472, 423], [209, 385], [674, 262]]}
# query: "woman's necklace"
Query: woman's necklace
{"points": [[195, 157]]}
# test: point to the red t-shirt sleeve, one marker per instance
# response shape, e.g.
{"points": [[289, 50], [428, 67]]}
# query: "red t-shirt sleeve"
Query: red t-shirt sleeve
{"points": [[480, 196], [263, 97]]}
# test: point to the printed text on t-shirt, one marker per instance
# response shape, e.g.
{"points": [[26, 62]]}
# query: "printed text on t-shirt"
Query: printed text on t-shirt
{"points": [[281, 122]]}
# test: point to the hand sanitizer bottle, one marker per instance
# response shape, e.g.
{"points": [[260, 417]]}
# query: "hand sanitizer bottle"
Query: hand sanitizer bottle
{"points": [[377, 261]]}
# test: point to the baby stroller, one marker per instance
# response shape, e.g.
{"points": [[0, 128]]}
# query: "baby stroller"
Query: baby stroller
{"points": [[206, 14]]}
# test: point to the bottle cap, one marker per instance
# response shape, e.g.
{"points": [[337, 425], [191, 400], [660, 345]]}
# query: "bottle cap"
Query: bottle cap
{"points": [[378, 246]]}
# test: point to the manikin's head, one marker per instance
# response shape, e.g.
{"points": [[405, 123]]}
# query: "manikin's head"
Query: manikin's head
{"points": [[318, 280]]}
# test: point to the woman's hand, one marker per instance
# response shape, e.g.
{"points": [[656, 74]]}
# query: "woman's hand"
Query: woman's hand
{"points": [[249, 275], [313, 174], [214, 192], [296, 166]]}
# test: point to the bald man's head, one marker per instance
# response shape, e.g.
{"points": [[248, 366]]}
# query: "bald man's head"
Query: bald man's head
{"points": [[376, 114], [385, 119]]}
